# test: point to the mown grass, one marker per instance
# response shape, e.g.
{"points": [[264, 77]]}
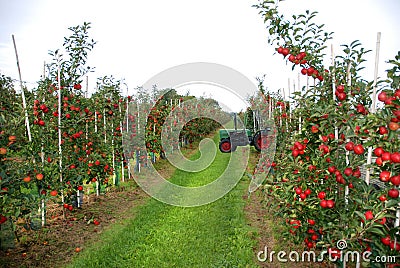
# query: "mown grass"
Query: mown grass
{"points": [[160, 235]]}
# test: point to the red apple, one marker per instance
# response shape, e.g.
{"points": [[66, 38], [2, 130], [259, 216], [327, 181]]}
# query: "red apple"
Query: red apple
{"points": [[393, 193]]}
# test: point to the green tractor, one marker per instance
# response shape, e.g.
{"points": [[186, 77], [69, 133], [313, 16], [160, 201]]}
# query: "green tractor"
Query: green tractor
{"points": [[230, 139]]}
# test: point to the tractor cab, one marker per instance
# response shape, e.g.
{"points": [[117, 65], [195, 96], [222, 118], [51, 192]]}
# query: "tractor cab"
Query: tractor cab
{"points": [[230, 139]]}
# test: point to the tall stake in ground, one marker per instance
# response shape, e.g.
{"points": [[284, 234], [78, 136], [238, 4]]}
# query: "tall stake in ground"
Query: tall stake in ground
{"points": [[59, 126], [28, 129], [373, 105]]}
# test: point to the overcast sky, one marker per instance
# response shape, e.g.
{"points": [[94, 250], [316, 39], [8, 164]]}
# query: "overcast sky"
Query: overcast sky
{"points": [[138, 39]]}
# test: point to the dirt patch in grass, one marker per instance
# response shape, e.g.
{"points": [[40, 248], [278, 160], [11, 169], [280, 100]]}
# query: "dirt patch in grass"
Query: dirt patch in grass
{"points": [[56, 243], [257, 215]]}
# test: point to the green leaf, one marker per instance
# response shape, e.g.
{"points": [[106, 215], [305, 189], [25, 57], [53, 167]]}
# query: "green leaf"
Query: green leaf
{"points": [[392, 203], [361, 215], [377, 231]]}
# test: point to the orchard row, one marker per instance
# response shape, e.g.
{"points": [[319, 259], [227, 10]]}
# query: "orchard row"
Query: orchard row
{"points": [[56, 139], [336, 169]]}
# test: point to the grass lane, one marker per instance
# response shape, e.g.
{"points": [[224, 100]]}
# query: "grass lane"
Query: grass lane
{"points": [[213, 235]]}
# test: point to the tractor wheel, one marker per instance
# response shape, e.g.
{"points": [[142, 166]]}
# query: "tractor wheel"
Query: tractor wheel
{"points": [[257, 141], [225, 146]]}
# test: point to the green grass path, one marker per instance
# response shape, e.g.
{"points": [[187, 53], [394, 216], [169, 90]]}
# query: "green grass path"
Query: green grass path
{"points": [[160, 235]]}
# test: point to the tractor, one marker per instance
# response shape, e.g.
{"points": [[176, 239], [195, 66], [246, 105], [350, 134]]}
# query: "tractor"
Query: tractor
{"points": [[230, 139]]}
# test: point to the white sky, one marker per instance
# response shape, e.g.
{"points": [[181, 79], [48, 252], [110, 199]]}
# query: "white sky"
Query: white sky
{"points": [[138, 39]]}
